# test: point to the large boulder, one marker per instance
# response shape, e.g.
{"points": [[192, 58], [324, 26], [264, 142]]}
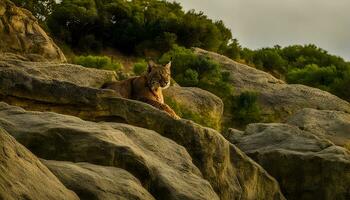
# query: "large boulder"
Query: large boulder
{"points": [[277, 99], [20, 33], [81, 76], [162, 166], [94, 182], [333, 125], [229, 171], [23, 176], [193, 103], [306, 166]]}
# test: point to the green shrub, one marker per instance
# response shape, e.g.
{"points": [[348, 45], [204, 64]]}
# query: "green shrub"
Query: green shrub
{"points": [[340, 86], [99, 62], [189, 78], [191, 70], [269, 60], [303, 64], [313, 75], [140, 67], [89, 43], [246, 109]]}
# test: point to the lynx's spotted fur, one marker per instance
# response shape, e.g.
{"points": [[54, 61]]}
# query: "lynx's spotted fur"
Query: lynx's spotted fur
{"points": [[147, 87]]}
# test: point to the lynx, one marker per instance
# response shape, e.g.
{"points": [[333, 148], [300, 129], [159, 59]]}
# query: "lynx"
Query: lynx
{"points": [[147, 87]]}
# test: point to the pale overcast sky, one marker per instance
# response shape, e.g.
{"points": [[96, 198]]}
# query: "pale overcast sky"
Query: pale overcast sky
{"points": [[261, 23]]}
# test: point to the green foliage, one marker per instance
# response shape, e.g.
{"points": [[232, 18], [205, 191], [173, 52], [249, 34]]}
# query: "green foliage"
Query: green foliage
{"points": [[72, 22], [291, 57], [341, 85], [300, 56], [233, 50], [99, 62], [308, 65], [135, 26], [140, 67], [314, 76], [269, 60], [88, 43], [189, 69], [41, 9], [246, 109], [189, 78]]}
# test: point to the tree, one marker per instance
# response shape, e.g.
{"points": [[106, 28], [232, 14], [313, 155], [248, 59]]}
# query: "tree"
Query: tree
{"points": [[269, 59], [73, 20], [233, 50], [41, 9], [136, 26], [313, 75]]}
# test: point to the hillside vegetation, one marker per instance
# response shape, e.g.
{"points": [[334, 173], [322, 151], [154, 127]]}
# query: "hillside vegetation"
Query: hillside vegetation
{"points": [[131, 26], [307, 64]]}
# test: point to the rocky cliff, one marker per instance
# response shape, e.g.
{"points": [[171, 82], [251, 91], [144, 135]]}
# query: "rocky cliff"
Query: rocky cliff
{"points": [[211, 160], [23, 176], [20, 33], [306, 166]]}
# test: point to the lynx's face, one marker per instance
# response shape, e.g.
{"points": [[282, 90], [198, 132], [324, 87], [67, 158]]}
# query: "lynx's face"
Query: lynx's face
{"points": [[158, 75]]}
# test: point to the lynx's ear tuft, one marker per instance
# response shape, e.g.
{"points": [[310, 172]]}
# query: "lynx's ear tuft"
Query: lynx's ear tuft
{"points": [[168, 65], [151, 64]]}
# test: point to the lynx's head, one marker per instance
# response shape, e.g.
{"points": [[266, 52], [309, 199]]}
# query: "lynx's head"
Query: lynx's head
{"points": [[158, 75]]}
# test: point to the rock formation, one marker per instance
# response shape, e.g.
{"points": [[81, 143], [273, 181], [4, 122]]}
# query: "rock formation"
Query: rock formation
{"points": [[333, 125], [90, 181], [200, 105], [23, 176], [306, 166], [21, 33], [161, 165], [231, 174], [278, 100]]}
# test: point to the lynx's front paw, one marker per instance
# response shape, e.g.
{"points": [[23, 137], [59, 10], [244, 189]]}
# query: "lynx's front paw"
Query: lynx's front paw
{"points": [[175, 116]]}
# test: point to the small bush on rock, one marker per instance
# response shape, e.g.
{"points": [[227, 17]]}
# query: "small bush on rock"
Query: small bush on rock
{"points": [[246, 109], [191, 70], [140, 67], [99, 62]]}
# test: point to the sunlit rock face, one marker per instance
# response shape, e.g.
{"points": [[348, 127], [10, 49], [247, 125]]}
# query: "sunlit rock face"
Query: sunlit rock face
{"points": [[20, 33], [306, 166], [23, 176], [330, 124]]}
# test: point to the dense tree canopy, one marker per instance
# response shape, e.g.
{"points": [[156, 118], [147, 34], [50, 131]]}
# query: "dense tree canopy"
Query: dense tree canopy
{"points": [[41, 9], [134, 26]]}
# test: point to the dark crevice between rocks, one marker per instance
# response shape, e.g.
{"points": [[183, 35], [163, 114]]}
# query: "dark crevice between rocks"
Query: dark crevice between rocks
{"points": [[81, 111], [114, 119]]}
